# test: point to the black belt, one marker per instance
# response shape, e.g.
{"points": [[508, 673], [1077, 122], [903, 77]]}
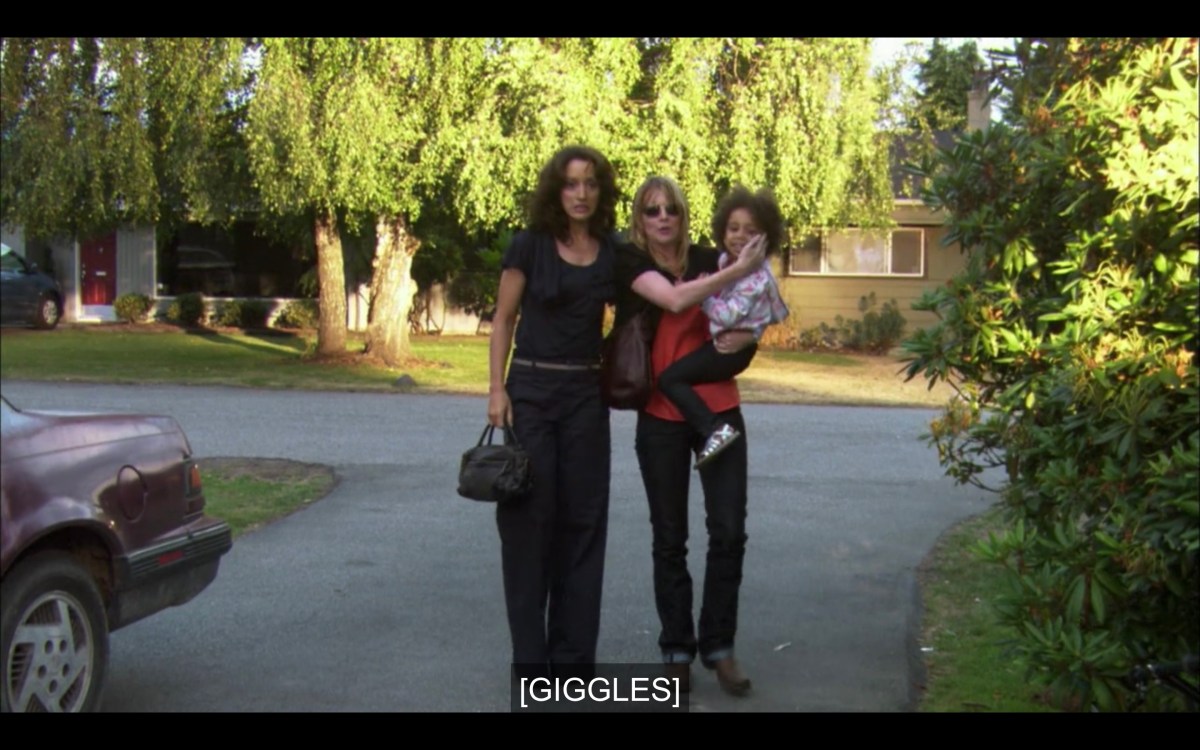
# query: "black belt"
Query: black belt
{"points": [[536, 365]]}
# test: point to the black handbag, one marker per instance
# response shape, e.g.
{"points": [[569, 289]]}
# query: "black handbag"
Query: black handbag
{"points": [[495, 473], [626, 378]]}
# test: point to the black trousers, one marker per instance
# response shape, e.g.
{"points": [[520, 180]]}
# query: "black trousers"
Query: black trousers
{"points": [[552, 542], [664, 451], [705, 365]]}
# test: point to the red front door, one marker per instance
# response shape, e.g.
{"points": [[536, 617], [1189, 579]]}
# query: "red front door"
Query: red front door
{"points": [[98, 270]]}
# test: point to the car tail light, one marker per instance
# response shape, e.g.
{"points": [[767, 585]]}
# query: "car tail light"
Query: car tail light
{"points": [[195, 488]]}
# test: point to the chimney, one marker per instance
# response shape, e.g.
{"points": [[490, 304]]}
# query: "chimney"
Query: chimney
{"points": [[979, 108]]}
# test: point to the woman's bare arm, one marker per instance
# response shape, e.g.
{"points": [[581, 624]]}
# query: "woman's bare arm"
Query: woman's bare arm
{"points": [[679, 297], [508, 301]]}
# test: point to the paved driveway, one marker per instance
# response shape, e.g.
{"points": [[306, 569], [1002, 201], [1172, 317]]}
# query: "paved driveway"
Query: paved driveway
{"points": [[386, 595]]}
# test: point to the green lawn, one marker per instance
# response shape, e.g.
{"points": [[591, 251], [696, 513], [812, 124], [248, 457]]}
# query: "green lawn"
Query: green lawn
{"points": [[439, 364], [222, 358]]}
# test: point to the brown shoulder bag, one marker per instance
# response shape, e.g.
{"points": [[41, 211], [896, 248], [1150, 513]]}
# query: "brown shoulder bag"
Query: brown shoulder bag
{"points": [[626, 379]]}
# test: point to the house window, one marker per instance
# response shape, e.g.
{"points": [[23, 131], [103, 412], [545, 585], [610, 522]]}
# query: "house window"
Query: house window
{"points": [[860, 252], [229, 262]]}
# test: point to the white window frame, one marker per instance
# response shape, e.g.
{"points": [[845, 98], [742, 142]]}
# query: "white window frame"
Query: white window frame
{"points": [[849, 233]]}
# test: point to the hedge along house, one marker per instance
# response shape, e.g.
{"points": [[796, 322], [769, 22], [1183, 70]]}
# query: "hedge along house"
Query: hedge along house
{"points": [[92, 273], [825, 275]]}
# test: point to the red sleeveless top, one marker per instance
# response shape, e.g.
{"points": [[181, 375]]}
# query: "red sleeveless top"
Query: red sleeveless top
{"points": [[678, 335]]}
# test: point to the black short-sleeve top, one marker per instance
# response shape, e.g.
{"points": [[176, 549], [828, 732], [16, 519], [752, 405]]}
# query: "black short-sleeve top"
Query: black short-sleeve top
{"points": [[632, 261], [562, 306]]}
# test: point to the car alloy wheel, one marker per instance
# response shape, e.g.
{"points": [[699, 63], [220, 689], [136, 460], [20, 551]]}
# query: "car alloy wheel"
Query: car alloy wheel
{"points": [[55, 637], [49, 311]]}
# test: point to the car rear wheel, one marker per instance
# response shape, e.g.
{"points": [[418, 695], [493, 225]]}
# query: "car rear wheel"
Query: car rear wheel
{"points": [[49, 311], [54, 634]]}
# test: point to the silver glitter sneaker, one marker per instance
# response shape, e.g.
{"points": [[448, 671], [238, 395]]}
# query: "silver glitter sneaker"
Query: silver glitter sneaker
{"points": [[719, 440]]}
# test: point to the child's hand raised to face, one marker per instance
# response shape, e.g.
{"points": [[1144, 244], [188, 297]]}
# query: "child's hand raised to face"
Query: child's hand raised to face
{"points": [[753, 252]]}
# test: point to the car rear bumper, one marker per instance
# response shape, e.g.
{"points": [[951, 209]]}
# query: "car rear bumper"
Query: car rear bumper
{"points": [[167, 574]]}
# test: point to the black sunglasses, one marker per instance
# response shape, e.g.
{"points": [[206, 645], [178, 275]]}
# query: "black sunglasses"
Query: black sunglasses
{"points": [[654, 211]]}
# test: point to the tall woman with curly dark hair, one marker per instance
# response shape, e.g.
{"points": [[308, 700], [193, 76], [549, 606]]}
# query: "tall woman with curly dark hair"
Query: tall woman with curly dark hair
{"points": [[558, 274]]}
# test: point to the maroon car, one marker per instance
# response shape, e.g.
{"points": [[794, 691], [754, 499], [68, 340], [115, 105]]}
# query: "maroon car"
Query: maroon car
{"points": [[101, 524]]}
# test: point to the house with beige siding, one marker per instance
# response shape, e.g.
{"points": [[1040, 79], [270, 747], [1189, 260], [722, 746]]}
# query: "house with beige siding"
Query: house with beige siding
{"points": [[826, 274]]}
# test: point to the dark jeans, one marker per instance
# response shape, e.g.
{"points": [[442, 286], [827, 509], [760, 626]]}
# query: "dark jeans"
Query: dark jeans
{"points": [[705, 365], [552, 542], [664, 451]]}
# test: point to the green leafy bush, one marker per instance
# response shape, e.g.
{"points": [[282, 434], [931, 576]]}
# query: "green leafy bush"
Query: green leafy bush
{"points": [[877, 332], [255, 312], [243, 313], [132, 308], [820, 336], [187, 309], [298, 313], [1071, 340], [228, 314]]}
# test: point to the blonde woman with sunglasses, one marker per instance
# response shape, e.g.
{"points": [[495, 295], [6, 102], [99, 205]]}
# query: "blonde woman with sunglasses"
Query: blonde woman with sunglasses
{"points": [[660, 269]]}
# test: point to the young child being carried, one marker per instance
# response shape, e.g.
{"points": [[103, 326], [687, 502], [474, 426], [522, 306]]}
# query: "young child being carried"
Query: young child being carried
{"points": [[751, 304]]}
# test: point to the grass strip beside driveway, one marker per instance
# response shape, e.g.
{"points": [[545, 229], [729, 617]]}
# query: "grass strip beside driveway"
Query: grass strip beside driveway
{"points": [[440, 364], [966, 652], [249, 492]]}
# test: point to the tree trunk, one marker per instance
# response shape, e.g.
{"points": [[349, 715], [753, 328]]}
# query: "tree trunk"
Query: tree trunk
{"points": [[392, 291], [331, 278]]}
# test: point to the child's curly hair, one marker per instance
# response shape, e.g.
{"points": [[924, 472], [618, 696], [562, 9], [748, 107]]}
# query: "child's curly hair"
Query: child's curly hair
{"points": [[762, 207]]}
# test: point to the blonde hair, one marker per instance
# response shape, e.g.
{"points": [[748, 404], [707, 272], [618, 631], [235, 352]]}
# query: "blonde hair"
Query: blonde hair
{"points": [[674, 194]]}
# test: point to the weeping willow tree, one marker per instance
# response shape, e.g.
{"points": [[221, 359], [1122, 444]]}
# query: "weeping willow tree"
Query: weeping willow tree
{"points": [[365, 134], [319, 132], [98, 132], [797, 115], [346, 129], [534, 97]]}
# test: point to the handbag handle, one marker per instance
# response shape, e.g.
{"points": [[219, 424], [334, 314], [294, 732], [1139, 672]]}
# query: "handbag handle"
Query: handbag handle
{"points": [[510, 438]]}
